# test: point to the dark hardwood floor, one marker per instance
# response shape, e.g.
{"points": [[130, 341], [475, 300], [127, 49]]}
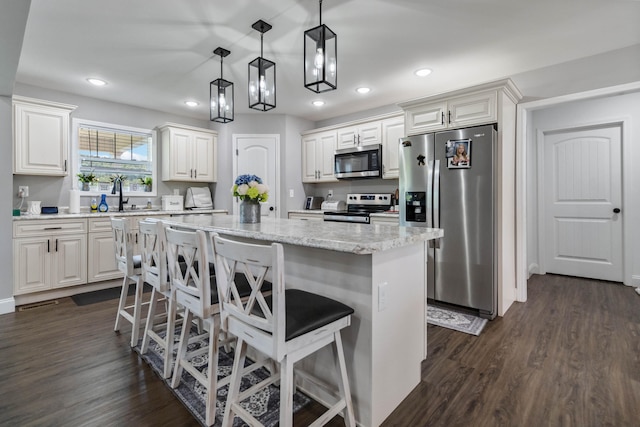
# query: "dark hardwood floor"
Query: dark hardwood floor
{"points": [[570, 356]]}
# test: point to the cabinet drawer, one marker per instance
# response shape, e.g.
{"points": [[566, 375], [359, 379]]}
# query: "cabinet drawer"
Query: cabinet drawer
{"points": [[101, 225], [50, 227]]}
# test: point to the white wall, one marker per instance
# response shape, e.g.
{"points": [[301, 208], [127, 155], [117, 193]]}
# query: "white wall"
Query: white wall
{"points": [[13, 21], [289, 128], [613, 108]]}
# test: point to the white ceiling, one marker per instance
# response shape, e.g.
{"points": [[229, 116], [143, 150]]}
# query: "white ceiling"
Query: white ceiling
{"points": [[158, 53]]}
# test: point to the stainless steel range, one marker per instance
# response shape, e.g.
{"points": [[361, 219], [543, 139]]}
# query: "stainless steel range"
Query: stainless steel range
{"points": [[359, 207]]}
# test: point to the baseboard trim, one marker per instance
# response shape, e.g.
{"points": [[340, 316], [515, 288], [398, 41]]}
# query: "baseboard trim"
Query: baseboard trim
{"points": [[7, 305], [65, 292], [534, 268], [635, 281]]}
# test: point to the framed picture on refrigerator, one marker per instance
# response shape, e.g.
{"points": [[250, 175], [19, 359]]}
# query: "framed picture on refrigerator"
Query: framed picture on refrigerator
{"points": [[458, 153]]}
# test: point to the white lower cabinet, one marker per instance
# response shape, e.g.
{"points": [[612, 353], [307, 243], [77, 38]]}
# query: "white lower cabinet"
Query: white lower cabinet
{"points": [[49, 255], [101, 258]]}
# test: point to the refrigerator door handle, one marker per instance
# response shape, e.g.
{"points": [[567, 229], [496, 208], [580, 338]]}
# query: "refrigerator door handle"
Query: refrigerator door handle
{"points": [[430, 194], [436, 194]]}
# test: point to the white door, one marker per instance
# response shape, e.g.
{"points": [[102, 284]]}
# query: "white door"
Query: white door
{"points": [[583, 202], [258, 155]]}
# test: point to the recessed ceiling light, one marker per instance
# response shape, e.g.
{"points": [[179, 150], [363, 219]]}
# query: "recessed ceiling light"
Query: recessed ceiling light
{"points": [[191, 103], [423, 72], [318, 103], [363, 90], [96, 82]]}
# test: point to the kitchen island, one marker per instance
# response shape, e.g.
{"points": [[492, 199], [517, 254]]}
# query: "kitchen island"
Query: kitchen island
{"points": [[378, 270]]}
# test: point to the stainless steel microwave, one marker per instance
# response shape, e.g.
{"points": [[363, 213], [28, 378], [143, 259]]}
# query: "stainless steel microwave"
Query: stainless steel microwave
{"points": [[359, 162]]}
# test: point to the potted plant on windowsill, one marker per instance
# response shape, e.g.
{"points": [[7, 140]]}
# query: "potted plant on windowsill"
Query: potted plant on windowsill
{"points": [[146, 182], [86, 179]]}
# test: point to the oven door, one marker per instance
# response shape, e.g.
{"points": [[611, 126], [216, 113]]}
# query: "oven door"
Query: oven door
{"points": [[360, 218], [359, 162]]}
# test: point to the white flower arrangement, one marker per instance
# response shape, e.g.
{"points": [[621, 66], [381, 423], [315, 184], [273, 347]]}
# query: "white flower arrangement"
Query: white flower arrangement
{"points": [[250, 187]]}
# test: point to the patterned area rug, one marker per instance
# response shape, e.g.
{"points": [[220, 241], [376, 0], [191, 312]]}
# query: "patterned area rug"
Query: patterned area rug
{"points": [[263, 405], [462, 322]]}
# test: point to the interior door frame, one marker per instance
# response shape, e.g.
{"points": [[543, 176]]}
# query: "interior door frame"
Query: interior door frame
{"points": [[276, 185], [524, 136], [540, 196]]}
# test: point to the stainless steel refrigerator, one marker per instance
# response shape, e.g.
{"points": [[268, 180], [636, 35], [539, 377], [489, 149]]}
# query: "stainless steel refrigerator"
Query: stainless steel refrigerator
{"points": [[447, 181]]}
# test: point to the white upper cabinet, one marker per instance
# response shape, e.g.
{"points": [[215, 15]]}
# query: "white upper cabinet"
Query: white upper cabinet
{"points": [[317, 156], [319, 145], [455, 112], [392, 131], [188, 153], [41, 137], [361, 134]]}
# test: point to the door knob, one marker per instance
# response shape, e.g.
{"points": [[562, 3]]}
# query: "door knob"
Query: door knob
{"points": [[616, 210], [271, 208]]}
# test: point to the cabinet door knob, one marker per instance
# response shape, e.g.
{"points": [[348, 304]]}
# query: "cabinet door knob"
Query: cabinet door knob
{"points": [[616, 210]]}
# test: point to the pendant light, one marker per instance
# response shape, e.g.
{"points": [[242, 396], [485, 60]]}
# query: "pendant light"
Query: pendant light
{"points": [[262, 76], [221, 94], [320, 58]]}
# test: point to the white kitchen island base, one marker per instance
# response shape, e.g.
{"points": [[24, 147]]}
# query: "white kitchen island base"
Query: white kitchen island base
{"points": [[386, 342], [378, 270]]}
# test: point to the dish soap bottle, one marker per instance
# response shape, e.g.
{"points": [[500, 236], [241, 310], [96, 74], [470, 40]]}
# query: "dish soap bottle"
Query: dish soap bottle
{"points": [[149, 206], [94, 205], [103, 207]]}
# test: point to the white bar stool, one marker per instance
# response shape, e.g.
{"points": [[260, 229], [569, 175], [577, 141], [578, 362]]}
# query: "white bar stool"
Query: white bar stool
{"points": [[286, 326]]}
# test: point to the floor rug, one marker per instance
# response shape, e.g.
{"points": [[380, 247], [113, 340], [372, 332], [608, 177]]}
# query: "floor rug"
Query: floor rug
{"points": [[462, 322], [262, 405], [104, 295]]}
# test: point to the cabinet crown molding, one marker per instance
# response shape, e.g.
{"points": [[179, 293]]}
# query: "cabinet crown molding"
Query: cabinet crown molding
{"points": [[354, 122], [44, 103], [186, 127], [506, 85]]}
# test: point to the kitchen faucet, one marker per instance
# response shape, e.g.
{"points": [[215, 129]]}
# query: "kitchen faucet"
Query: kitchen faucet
{"points": [[118, 181]]}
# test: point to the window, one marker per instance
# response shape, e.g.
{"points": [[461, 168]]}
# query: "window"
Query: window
{"points": [[104, 152]]}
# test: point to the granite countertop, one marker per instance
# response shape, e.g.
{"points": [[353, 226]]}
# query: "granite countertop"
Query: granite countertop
{"points": [[137, 212], [334, 236]]}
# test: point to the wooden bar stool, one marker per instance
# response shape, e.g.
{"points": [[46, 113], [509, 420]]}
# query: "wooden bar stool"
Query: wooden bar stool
{"points": [[131, 266], [286, 326]]}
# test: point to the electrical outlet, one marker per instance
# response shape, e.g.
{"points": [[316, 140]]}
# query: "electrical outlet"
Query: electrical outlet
{"points": [[383, 296], [291, 192], [23, 191], [329, 194]]}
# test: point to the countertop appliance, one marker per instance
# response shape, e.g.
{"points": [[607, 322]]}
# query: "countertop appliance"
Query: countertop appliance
{"points": [[334, 205], [359, 207], [364, 161], [313, 202], [447, 180]]}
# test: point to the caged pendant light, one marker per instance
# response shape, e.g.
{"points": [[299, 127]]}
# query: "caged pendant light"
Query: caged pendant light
{"points": [[320, 58], [262, 76], [221, 94]]}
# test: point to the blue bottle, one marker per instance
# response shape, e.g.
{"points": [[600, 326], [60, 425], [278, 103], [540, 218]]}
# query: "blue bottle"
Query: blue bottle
{"points": [[103, 207]]}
